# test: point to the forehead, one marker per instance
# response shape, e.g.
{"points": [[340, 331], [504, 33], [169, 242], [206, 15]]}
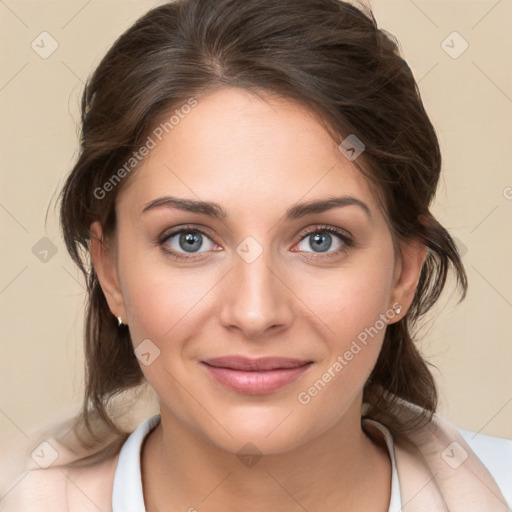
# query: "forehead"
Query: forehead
{"points": [[235, 147]]}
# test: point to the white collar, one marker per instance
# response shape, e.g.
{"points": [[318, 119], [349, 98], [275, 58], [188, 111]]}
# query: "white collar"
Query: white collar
{"points": [[127, 493]]}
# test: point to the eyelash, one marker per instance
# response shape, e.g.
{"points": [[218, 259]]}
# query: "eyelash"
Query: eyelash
{"points": [[347, 242]]}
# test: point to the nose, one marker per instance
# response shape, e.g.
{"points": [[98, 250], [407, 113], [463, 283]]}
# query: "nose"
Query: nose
{"points": [[255, 298]]}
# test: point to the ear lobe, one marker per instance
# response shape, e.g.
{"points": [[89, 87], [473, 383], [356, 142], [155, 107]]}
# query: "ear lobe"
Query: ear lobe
{"points": [[408, 271], [105, 268]]}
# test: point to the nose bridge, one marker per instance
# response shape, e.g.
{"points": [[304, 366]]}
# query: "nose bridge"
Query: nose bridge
{"points": [[255, 298]]}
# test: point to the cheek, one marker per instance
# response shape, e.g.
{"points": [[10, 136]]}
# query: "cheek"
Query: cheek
{"points": [[159, 303], [351, 299], [352, 306], [158, 295], [359, 325], [163, 305]]}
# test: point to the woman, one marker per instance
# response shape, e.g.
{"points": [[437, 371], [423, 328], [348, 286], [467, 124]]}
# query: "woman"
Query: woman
{"points": [[253, 190]]}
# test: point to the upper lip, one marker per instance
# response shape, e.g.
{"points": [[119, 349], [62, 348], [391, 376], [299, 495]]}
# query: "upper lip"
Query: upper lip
{"points": [[255, 364]]}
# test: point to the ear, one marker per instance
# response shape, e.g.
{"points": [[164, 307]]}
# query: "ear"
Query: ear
{"points": [[106, 270], [407, 274]]}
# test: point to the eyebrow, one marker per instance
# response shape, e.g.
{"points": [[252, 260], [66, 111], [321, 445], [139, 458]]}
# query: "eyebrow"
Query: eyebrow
{"points": [[296, 211]]}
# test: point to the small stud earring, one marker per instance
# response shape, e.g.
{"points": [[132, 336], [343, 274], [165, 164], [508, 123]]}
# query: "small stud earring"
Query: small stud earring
{"points": [[398, 309], [119, 321]]}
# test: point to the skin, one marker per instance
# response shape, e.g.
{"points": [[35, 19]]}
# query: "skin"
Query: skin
{"points": [[256, 157]]}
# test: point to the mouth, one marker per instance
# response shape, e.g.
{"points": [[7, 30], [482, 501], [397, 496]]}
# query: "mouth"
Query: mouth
{"points": [[255, 376]]}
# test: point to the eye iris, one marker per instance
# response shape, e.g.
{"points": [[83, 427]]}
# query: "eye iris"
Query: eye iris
{"points": [[189, 241], [321, 237]]}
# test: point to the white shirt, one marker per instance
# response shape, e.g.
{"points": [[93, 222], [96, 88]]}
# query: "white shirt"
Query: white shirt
{"points": [[127, 496]]}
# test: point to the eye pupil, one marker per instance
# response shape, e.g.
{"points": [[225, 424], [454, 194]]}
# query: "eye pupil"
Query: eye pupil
{"points": [[321, 237]]}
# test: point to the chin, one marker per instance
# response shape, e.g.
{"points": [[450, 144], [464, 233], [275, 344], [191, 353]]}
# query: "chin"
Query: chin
{"points": [[272, 432]]}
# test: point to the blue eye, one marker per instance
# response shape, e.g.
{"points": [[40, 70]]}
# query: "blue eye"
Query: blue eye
{"points": [[320, 238], [189, 240]]}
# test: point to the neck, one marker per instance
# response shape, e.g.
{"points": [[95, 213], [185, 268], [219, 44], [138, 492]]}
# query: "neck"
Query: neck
{"points": [[342, 469]]}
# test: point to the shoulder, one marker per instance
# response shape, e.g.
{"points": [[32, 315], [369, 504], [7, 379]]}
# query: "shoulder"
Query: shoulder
{"points": [[52, 472], [61, 488], [496, 455], [439, 447]]}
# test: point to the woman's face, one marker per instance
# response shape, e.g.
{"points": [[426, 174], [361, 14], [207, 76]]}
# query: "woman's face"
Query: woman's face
{"points": [[266, 279]]}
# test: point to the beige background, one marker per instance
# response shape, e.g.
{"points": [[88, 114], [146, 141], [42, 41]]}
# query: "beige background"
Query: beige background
{"points": [[469, 99]]}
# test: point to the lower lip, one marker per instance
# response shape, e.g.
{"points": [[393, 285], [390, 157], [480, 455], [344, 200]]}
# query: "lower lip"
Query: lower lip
{"points": [[258, 382]]}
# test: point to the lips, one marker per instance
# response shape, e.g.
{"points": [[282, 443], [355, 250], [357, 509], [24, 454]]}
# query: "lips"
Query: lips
{"points": [[255, 376], [261, 364]]}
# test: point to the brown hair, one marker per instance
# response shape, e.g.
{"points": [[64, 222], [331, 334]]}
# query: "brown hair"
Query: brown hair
{"points": [[326, 55]]}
